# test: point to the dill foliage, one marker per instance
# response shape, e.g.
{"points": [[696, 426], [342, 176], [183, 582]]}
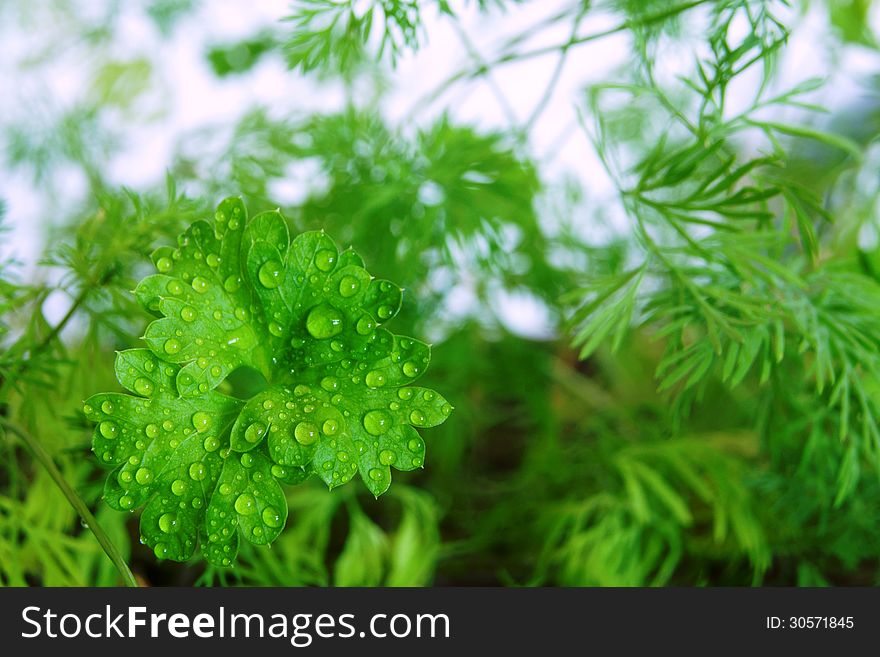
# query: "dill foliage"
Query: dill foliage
{"points": [[698, 404]]}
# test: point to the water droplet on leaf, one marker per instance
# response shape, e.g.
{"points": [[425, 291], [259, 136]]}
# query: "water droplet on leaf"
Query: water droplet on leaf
{"points": [[349, 286], [254, 432], [305, 433], [325, 259], [143, 476], [244, 504], [324, 321], [197, 471], [167, 523], [201, 421], [377, 422], [271, 517], [270, 274]]}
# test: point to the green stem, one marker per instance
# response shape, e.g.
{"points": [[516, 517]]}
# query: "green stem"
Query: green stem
{"points": [[508, 57], [56, 330], [75, 501]]}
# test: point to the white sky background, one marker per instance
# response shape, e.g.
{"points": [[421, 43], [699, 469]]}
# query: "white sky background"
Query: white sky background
{"points": [[190, 96]]}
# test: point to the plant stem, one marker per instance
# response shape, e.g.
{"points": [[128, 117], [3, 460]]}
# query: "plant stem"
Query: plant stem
{"points": [[75, 501], [45, 342], [511, 56]]}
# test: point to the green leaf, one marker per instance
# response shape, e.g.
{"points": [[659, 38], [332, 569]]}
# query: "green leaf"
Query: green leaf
{"points": [[236, 293]]}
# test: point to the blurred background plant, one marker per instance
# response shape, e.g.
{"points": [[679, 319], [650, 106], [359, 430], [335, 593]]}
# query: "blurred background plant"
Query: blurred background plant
{"points": [[642, 236]]}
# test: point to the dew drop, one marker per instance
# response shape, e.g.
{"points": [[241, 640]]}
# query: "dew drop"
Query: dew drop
{"points": [[225, 489], [172, 346], [276, 329], [241, 338], [109, 430], [330, 427], [174, 288], [365, 325], [305, 433], [211, 443], [386, 457], [126, 502], [270, 274], [187, 314], [201, 421], [107, 407], [164, 264], [197, 471], [254, 432], [271, 517], [349, 286], [410, 368], [167, 523], [376, 474], [178, 486], [325, 259], [414, 445], [324, 321], [377, 422], [330, 383], [151, 430], [375, 379], [385, 312], [144, 386], [199, 284], [417, 417], [405, 393], [244, 504], [232, 283], [143, 476], [213, 260]]}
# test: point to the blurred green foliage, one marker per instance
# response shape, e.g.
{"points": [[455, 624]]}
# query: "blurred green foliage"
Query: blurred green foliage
{"points": [[703, 408]]}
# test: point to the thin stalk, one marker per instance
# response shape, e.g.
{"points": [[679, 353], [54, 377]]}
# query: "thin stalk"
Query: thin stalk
{"points": [[508, 57], [557, 73], [76, 502], [480, 61], [45, 342]]}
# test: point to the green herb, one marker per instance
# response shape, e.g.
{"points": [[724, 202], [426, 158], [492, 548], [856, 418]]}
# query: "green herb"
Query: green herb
{"points": [[239, 293]]}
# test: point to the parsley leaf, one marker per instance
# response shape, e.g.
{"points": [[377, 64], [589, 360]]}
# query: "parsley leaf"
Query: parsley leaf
{"points": [[209, 467]]}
